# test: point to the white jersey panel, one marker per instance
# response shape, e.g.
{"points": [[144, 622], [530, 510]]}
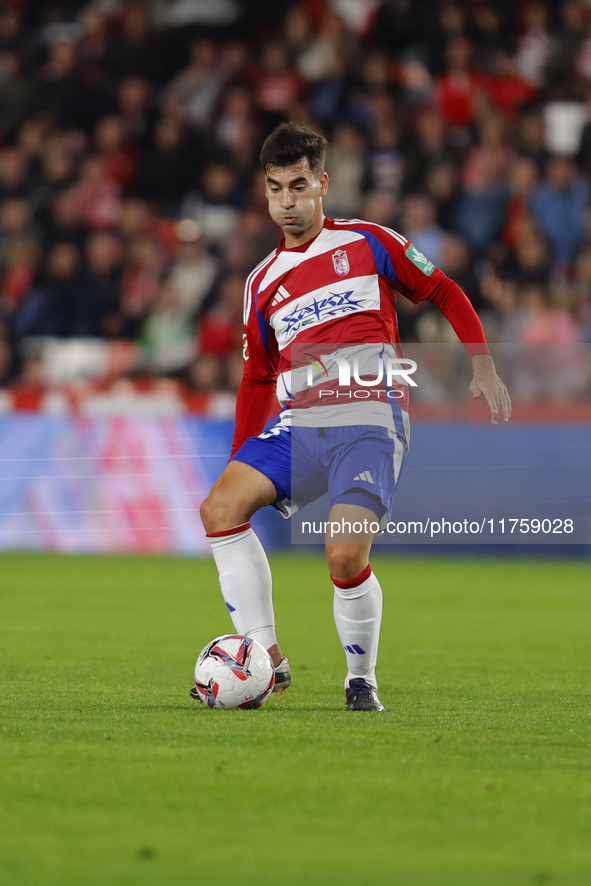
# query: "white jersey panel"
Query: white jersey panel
{"points": [[353, 295], [349, 221]]}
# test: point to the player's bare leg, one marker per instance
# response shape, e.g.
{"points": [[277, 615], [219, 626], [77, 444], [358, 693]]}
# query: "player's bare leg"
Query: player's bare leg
{"points": [[243, 567], [235, 497], [357, 600]]}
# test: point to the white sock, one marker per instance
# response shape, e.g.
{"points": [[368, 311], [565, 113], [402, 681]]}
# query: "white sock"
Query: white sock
{"points": [[245, 580], [358, 616]]}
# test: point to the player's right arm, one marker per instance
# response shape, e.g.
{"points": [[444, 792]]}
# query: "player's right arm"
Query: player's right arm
{"points": [[256, 393]]}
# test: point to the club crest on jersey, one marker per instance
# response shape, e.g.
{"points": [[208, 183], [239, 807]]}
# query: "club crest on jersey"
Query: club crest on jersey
{"points": [[340, 260]]}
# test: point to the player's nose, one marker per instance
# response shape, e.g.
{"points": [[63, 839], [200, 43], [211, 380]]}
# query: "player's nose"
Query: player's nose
{"points": [[287, 200]]}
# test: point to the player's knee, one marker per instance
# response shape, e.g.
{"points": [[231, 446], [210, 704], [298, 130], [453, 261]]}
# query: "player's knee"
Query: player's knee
{"points": [[215, 514], [345, 562], [224, 509], [206, 513]]}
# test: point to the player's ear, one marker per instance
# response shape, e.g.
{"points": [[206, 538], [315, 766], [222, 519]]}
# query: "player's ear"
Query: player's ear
{"points": [[323, 179]]}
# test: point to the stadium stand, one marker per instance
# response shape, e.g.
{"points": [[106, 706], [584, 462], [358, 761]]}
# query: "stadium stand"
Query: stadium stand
{"points": [[131, 205]]}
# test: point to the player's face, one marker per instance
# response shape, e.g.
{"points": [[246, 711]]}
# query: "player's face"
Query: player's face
{"points": [[295, 200]]}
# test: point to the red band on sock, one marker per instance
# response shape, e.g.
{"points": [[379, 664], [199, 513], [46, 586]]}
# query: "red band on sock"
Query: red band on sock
{"points": [[225, 532], [345, 585]]}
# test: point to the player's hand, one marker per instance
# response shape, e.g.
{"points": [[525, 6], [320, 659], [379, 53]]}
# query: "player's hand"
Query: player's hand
{"points": [[487, 383]]}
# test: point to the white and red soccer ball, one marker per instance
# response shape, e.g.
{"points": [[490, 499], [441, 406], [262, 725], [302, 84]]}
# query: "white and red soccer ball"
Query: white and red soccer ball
{"points": [[234, 672]]}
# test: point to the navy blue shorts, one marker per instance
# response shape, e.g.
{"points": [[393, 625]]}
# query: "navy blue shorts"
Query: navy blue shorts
{"points": [[358, 464]]}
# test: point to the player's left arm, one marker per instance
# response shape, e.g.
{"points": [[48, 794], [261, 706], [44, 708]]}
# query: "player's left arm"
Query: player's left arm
{"points": [[419, 279]]}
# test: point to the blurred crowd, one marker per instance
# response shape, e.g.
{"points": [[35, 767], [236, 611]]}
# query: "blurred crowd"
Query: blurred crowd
{"points": [[131, 198]]}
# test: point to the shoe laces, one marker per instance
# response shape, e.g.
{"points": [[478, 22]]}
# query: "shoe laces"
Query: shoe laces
{"points": [[359, 688]]}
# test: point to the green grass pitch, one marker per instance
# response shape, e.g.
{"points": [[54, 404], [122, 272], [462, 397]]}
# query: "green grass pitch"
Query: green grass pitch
{"points": [[478, 774]]}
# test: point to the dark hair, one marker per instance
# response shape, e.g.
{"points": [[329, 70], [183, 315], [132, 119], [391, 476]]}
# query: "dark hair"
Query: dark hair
{"points": [[290, 142]]}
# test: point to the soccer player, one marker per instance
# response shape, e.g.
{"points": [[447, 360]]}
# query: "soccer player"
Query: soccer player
{"points": [[329, 283]]}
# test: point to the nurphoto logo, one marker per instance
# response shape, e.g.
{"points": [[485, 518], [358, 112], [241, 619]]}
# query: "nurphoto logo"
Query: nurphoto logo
{"points": [[390, 370]]}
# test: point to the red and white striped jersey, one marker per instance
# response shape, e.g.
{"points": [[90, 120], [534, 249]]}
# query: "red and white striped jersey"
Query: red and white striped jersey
{"points": [[340, 287]]}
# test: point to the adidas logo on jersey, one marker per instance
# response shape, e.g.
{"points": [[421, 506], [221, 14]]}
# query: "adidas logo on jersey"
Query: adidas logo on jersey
{"points": [[365, 476], [282, 294]]}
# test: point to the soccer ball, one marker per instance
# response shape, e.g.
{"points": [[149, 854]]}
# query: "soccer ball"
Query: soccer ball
{"points": [[234, 672]]}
